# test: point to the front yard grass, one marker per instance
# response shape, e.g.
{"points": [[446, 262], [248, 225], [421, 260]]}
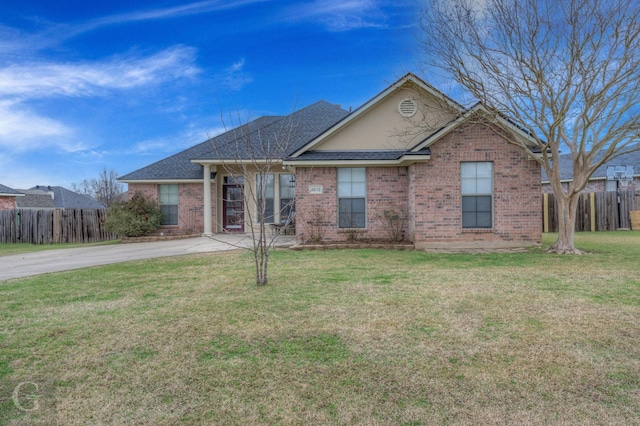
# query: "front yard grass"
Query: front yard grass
{"points": [[337, 337], [7, 249]]}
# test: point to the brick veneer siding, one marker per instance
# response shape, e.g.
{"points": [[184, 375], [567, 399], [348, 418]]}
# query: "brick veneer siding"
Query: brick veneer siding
{"points": [[190, 205], [435, 200], [386, 190], [7, 203]]}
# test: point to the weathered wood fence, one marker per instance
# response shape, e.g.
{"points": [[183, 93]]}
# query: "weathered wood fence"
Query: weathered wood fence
{"points": [[597, 211], [53, 226]]}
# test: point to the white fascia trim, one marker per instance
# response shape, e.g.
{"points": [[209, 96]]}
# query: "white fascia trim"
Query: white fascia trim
{"points": [[404, 160], [228, 162], [160, 181], [375, 100], [11, 195]]}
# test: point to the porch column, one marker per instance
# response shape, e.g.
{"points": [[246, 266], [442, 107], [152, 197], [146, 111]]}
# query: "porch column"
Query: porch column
{"points": [[206, 178]]}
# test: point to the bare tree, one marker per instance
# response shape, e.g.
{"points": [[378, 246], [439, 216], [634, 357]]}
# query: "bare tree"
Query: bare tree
{"points": [[105, 188], [251, 153], [567, 71]]}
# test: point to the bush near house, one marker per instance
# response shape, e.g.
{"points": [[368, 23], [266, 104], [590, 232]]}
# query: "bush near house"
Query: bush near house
{"points": [[134, 218]]}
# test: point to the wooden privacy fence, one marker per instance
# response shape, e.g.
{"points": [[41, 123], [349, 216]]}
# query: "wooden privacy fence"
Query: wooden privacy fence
{"points": [[53, 226], [597, 211]]}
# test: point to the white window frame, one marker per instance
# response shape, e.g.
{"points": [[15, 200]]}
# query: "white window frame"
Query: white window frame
{"points": [[352, 186], [476, 184], [163, 203]]}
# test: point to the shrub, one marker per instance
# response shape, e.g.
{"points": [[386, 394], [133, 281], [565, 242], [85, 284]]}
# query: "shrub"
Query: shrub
{"points": [[394, 222], [134, 218]]}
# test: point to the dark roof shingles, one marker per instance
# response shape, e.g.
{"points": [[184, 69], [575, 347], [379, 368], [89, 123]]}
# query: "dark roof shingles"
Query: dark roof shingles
{"points": [[258, 138], [5, 190]]}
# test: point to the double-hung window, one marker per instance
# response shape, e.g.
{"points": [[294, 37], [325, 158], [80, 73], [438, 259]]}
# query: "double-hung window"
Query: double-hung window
{"points": [[352, 201], [265, 197], [287, 197], [168, 202], [477, 194]]}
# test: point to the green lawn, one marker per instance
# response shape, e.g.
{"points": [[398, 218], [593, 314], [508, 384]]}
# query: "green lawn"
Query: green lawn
{"points": [[344, 337], [19, 248]]}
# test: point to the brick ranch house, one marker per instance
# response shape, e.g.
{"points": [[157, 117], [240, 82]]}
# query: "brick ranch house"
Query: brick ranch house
{"points": [[410, 150], [8, 197]]}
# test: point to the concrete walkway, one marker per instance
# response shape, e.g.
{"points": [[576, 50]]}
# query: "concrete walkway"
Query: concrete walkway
{"points": [[43, 262]]}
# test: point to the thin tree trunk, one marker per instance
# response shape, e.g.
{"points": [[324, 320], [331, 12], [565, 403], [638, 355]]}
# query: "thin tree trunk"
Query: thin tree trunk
{"points": [[261, 255], [567, 207]]}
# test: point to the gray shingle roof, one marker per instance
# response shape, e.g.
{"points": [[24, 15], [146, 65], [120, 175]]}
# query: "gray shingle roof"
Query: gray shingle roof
{"points": [[566, 166], [5, 190], [35, 199], [66, 199], [257, 139]]}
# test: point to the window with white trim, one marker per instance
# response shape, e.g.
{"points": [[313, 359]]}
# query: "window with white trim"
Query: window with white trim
{"points": [[265, 195], [168, 202], [477, 194], [287, 197], [352, 200]]}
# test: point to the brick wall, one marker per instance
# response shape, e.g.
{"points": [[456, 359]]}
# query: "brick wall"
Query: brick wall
{"points": [[190, 205], [7, 203], [386, 190], [434, 191]]}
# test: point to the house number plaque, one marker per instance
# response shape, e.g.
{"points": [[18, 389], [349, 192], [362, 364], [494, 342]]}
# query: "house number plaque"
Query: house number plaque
{"points": [[315, 189]]}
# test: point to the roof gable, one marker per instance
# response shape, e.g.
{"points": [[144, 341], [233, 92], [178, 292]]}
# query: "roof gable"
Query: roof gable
{"points": [[478, 110], [378, 124]]}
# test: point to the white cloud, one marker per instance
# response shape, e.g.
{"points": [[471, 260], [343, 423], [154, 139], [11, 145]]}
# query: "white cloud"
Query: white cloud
{"points": [[173, 143], [22, 129], [194, 8], [234, 77], [13, 41], [339, 15], [41, 79]]}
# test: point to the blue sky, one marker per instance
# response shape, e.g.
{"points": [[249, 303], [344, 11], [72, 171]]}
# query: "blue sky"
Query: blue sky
{"points": [[86, 85]]}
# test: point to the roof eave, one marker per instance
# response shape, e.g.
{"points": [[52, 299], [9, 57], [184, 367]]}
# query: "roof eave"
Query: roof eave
{"points": [[405, 160], [160, 180]]}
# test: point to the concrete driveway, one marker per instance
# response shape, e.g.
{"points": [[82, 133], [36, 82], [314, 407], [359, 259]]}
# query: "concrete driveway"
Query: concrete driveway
{"points": [[28, 264]]}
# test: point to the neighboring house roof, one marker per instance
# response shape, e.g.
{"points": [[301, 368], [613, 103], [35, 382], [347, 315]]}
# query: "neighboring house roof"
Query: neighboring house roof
{"points": [[238, 144], [566, 166], [5, 191], [35, 199], [66, 199]]}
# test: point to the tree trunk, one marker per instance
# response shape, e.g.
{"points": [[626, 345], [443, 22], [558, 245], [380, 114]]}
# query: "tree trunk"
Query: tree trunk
{"points": [[567, 208], [261, 256]]}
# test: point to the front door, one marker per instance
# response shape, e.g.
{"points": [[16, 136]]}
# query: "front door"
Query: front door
{"points": [[233, 208]]}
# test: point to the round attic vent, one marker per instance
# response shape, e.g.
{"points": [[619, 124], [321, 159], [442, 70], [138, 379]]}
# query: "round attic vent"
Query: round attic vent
{"points": [[407, 108]]}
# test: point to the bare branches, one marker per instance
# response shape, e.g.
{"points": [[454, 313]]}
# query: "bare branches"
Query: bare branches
{"points": [[251, 154], [105, 188], [568, 71]]}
